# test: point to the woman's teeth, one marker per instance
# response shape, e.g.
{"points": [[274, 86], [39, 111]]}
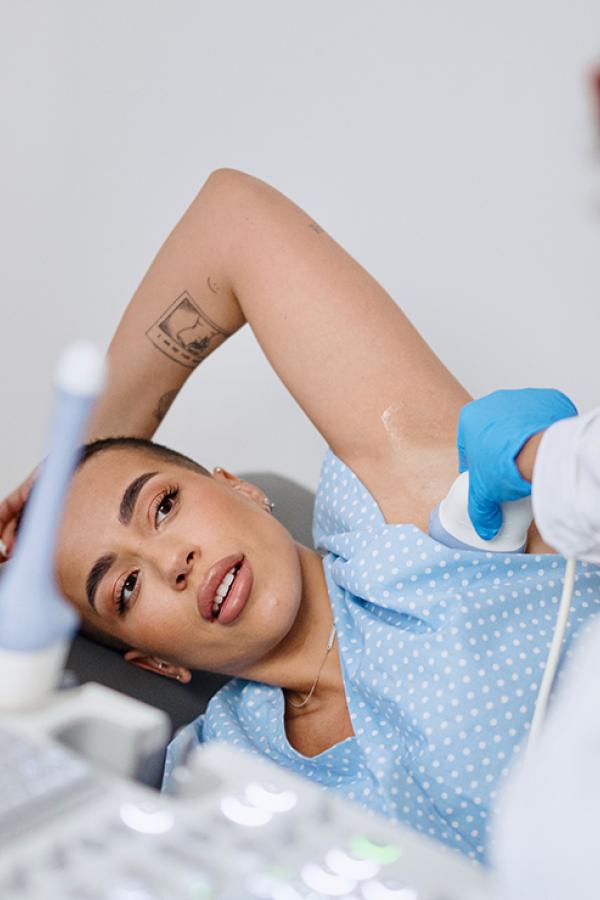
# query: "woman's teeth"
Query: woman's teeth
{"points": [[223, 589]]}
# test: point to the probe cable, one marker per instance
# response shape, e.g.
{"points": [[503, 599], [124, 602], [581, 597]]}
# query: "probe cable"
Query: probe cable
{"points": [[553, 656]]}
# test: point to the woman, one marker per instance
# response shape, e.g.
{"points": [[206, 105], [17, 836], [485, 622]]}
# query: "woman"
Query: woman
{"points": [[415, 704]]}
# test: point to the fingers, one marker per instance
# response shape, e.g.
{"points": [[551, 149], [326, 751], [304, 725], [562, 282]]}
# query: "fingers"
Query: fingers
{"points": [[485, 515], [10, 509], [460, 442], [8, 538], [7, 527]]}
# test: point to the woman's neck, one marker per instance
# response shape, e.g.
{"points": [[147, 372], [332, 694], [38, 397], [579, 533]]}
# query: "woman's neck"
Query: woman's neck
{"points": [[294, 663]]}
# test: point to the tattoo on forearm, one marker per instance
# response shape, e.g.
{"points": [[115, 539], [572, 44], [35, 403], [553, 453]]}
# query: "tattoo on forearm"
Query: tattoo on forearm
{"points": [[316, 228], [212, 285], [186, 334], [164, 404]]}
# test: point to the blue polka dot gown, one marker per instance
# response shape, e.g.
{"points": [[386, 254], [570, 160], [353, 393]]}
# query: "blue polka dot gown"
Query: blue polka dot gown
{"points": [[442, 654]]}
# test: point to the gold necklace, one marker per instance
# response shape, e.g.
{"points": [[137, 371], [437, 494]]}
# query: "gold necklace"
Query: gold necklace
{"points": [[302, 703]]}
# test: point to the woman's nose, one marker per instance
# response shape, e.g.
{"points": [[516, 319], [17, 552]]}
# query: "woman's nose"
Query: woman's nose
{"points": [[178, 567]]}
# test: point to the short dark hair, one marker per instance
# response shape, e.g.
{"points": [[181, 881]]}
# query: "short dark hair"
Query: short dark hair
{"points": [[87, 451], [137, 443]]}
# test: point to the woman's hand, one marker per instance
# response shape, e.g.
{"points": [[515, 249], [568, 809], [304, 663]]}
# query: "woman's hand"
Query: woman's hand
{"points": [[10, 510], [491, 433]]}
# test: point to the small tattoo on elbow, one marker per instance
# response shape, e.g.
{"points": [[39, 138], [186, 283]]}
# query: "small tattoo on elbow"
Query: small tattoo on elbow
{"points": [[212, 285], [185, 333], [164, 404]]}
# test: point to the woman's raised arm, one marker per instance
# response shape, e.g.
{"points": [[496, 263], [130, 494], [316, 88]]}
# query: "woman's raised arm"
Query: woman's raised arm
{"points": [[368, 381], [181, 312], [183, 309], [371, 385]]}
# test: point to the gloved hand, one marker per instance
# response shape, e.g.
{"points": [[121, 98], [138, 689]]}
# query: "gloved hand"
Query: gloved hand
{"points": [[491, 432]]}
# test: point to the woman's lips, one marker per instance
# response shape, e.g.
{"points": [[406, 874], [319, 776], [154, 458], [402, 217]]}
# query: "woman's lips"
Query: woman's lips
{"points": [[238, 595], [239, 591], [214, 577]]}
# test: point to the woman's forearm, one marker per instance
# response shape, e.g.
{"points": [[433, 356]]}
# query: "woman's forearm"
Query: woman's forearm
{"points": [[183, 309]]}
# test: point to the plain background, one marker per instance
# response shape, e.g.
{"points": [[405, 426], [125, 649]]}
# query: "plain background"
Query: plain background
{"points": [[450, 147]]}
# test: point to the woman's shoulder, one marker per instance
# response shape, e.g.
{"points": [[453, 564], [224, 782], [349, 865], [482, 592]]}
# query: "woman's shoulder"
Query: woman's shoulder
{"points": [[342, 502]]}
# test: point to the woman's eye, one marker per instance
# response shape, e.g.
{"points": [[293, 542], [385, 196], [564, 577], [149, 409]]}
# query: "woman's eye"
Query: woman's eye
{"points": [[165, 506], [126, 593]]}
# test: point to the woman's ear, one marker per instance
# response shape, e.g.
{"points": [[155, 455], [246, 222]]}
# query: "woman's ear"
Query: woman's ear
{"points": [[160, 666], [244, 487]]}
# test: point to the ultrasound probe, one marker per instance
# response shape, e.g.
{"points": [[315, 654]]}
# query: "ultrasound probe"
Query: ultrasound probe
{"points": [[36, 623]]}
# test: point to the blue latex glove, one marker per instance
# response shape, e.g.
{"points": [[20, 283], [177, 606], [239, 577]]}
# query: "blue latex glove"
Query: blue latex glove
{"points": [[491, 432]]}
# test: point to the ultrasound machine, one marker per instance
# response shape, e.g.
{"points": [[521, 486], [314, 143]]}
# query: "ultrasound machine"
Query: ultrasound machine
{"points": [[79, 818]]}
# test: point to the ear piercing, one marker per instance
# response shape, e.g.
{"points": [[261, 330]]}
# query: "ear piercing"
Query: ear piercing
{"points": [[268, 504], [163, 665]]}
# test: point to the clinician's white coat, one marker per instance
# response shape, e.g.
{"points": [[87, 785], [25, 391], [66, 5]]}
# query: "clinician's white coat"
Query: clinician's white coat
{"points": [[566, 487], [546, 831]]}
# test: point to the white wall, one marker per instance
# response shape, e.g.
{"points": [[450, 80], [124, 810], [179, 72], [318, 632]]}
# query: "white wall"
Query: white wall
{"points": [[448, 146]]}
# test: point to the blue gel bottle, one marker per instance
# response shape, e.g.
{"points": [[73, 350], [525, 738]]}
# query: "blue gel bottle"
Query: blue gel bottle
{"points": [[36, 623]]}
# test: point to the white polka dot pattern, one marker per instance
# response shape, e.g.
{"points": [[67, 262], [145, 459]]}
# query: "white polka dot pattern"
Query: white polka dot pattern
{"points": [[442, 653]]}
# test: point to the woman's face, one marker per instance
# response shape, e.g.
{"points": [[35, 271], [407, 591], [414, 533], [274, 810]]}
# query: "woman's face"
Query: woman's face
{"points": [[139, 540]]}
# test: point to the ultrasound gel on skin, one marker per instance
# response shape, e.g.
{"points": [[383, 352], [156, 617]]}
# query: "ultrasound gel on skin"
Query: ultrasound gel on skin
{"points": [[36, 623], [450, 524]]}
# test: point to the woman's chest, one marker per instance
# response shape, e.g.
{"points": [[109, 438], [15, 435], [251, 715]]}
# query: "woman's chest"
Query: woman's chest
{"points": [[311, 735]]}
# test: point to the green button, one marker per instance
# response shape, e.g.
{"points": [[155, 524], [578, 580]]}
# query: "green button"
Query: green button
{"points": [[381, 853], [279, 872], [203, 892]]}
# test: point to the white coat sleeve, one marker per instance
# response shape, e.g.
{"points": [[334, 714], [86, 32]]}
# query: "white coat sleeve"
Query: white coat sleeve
{"points": [[566, 486], [546, 823]]}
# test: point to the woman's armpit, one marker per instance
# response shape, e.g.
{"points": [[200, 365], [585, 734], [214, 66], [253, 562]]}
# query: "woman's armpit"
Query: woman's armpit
{"points": [[410, 479]]}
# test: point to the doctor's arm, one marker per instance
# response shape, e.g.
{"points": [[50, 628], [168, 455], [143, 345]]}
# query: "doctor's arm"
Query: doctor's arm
{"points": [[566, 486]]}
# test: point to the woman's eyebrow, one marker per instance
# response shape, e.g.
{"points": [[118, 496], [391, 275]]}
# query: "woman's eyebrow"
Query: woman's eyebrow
{"points": [[126, 510], [97, 573], [130, 495]]}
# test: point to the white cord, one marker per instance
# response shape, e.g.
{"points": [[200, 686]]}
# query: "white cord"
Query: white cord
{"points": [[552, 662]]}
